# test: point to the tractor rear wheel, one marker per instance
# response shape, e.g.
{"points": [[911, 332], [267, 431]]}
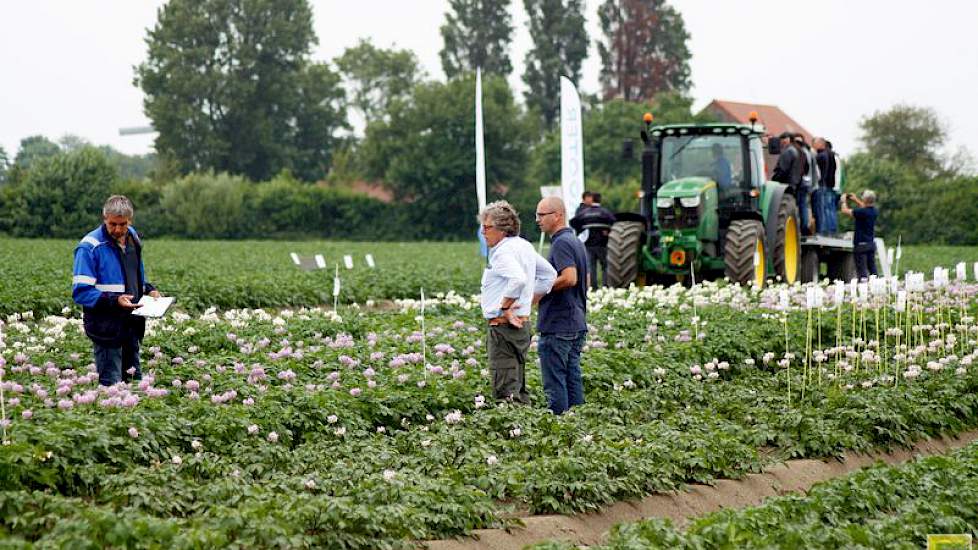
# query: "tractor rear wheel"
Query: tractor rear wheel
{"points": [[787, 242], [743, 253], [623, 246], [809, 266], [842, 267]]}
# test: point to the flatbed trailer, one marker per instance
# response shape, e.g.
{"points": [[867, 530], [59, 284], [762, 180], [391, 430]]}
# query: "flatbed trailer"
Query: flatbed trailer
{"points": [[833, 251]]}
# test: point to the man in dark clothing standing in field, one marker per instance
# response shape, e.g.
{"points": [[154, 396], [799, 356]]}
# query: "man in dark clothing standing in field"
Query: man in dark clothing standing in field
{"points": [[561, 324], [864, 235], [587, 199], [597, 221]]}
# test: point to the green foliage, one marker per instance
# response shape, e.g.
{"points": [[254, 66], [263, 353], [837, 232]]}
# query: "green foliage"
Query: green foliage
{"points": [[560, 45], [206, 205], [426, 153], [60, 196], [908, 135], [644, 50], [877, 507], [476, 33], [33, 149], [938, 210], [229, 88], [385, 465], [376, 77]]}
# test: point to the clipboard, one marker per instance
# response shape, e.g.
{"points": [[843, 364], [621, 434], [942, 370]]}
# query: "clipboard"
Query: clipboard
{"points": [[153, 307]]}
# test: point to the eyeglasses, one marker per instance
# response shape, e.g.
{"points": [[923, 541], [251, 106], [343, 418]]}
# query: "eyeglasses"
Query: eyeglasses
{"points": [[542, 214]]}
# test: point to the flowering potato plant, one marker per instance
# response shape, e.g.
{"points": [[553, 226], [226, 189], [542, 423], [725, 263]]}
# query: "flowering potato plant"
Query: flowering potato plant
{"points": [[312, 427]]}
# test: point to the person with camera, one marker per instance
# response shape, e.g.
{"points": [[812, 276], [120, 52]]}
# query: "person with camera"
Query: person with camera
{"points": [[864, 235]]}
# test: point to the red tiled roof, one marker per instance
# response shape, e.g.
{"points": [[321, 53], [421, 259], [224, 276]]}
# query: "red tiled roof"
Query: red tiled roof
{"points": [[773, 118]]}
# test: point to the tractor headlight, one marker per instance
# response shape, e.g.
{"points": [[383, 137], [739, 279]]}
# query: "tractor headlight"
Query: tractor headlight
{"points": [[690, 202], [664, 202]]}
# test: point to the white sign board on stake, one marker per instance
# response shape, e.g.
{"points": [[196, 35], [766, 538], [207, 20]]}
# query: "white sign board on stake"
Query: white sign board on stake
{"points": [[295, 258], [320, 261], [348, 261], [370, 261]]}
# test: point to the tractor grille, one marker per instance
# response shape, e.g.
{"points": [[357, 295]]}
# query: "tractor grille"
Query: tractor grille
{"points": [[679, 217]]}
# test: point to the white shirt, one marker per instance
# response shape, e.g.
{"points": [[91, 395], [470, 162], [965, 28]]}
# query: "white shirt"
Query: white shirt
{"points": [[515, 271]]}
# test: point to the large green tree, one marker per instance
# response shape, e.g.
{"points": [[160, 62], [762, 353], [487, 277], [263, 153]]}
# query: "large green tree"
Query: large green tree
{"points": [[376, 76], [644, 51], [33, 149], [476, 33], [426, 153], [229, 86], [559, 48], [906, 134]]}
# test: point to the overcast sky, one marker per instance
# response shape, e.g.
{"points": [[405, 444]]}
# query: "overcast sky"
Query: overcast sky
{"points": [[67, 65]]}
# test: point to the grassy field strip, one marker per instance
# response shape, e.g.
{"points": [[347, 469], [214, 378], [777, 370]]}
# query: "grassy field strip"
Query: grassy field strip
{"points": [[698, 500]]}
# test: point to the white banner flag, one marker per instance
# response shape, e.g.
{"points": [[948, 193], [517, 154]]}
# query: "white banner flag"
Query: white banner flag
{"points": [[571, 145], [480, 146]]}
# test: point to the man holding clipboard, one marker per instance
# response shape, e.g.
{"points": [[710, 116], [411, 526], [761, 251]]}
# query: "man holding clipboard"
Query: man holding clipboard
{"points": [[109, 282]]}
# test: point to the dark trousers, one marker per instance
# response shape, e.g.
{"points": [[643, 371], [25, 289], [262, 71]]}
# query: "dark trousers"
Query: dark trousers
{"points": [[560, 368], [113, 363], [507, 349], [597, 255], [865, 256], [802, 200]]}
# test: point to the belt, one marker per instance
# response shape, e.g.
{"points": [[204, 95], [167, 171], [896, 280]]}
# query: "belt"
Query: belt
{"points": [[496, 321]]}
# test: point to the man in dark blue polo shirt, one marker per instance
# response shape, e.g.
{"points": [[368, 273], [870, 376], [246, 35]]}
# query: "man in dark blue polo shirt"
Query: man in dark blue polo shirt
{"points": [[864, 234], [561, 323]]}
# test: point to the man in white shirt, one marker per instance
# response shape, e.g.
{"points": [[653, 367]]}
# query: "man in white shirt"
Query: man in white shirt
{"points": [[515, 278]]}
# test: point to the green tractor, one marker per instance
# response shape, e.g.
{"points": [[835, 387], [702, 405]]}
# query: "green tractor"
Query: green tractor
{"points": [[707, 207]]}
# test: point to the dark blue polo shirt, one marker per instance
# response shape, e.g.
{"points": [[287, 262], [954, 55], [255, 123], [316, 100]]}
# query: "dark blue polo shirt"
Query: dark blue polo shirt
{"points": [[564, 310], [865, 225]]}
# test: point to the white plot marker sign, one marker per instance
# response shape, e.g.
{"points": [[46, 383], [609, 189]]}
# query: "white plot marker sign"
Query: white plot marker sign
{"points": [[370, 261], [320, 261], [295, 258], [348, 261]]}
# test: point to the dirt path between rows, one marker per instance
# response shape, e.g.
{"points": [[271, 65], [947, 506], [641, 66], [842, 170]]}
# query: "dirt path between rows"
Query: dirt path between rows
{"points": [[697, 500]]}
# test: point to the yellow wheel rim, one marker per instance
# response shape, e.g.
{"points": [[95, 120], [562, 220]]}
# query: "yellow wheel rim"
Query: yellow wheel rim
{"points": [[790, 250], [759, 263]]}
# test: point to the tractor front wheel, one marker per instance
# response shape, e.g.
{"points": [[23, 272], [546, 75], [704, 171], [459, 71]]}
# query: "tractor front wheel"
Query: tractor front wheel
{"points": [[623, 247], [743, 253]]}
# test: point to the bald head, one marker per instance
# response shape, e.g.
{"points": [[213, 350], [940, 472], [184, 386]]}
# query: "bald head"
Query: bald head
{"points": [[551, 215]]}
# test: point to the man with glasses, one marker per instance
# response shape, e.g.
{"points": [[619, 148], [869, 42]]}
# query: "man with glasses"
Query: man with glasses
{"points": [[561, 325], [514, 279]]}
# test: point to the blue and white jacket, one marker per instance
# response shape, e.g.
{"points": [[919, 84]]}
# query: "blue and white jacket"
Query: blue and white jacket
{"points": [[98, 280]]}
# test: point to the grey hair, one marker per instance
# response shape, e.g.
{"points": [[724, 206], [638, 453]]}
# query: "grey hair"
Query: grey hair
{"points": [[869, 197], [502, 216], [117, 205]]}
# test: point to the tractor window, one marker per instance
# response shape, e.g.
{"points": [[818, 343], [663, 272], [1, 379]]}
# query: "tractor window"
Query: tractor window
{"points": [[716, 157], [757, 162]]}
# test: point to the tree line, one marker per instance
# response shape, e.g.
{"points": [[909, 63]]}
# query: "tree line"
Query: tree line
{"points": [[244, 113]]}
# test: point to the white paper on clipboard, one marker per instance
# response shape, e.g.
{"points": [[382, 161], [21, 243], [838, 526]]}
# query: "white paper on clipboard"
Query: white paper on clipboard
{"points": [[153, 307]]}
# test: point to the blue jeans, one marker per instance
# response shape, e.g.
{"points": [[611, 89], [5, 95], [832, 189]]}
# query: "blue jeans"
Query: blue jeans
{"points": [[113, 363], [825, 203], [560, 366]]}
